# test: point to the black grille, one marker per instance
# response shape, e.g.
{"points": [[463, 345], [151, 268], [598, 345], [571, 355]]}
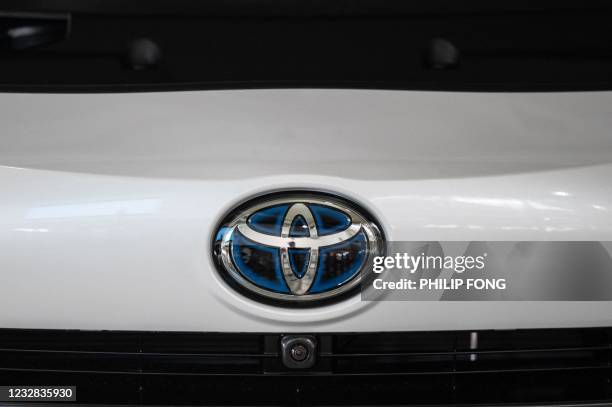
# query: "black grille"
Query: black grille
{"points": [[503, 45], [513, 366]]}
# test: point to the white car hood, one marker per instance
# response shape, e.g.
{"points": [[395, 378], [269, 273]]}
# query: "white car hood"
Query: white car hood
{"points": [[109, 201]]}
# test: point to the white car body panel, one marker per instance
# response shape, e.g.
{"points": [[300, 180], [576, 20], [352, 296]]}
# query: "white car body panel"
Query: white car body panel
{"points": [[108, 202]]}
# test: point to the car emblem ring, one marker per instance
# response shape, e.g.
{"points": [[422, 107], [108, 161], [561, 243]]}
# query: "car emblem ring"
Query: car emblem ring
{"points": [[256, 247]]}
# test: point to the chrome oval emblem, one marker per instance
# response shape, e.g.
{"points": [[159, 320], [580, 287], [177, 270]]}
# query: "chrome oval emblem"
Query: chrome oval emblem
{"points": [[296, 247]]}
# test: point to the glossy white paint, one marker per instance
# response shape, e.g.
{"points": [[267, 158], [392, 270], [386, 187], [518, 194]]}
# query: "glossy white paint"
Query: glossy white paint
{"points": [[108, 201]]}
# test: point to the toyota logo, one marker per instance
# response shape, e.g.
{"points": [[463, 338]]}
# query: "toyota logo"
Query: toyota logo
{"points": [[296, 247]]}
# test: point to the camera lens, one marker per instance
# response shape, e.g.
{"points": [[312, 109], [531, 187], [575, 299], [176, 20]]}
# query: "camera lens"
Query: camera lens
{"points": [[298, 352]]}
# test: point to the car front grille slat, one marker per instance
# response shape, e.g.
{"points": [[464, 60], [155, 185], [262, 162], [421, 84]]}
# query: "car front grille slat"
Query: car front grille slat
{"points": [[464, 367], [145, 354]]}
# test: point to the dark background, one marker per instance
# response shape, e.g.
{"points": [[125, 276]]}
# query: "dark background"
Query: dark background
{"points": [[134, 45]]}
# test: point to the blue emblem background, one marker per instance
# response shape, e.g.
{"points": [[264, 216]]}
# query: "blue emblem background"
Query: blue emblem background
{"points": [[261, 264]]}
